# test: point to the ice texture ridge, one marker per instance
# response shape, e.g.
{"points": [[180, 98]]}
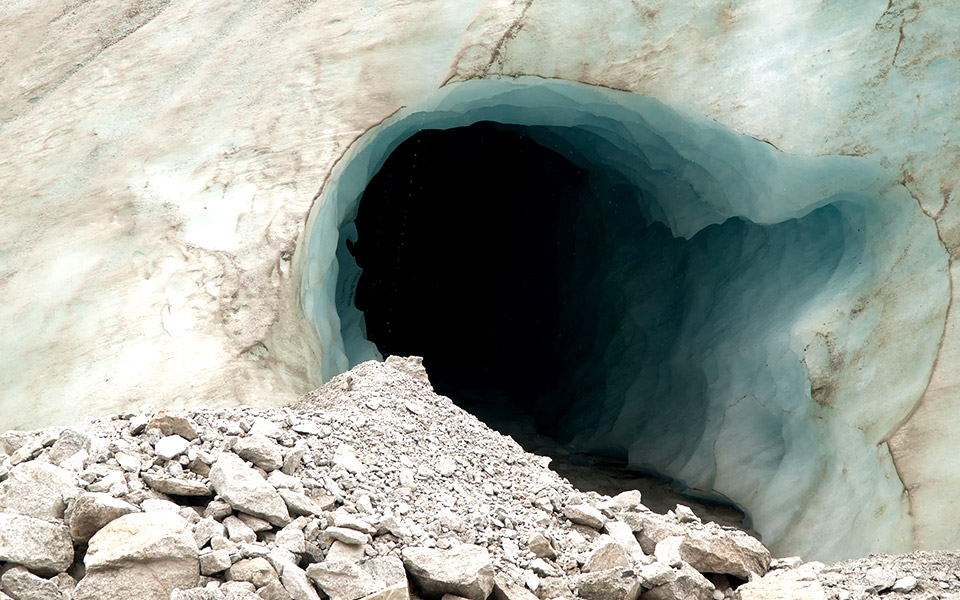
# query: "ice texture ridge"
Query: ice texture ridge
{"points": [[745, 329]]}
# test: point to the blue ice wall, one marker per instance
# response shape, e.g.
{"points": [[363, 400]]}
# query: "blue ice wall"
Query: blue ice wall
{"points": [[721, 304]]}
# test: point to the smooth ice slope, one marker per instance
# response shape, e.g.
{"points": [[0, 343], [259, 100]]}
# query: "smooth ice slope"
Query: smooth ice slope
{"points": [[756, 362]]}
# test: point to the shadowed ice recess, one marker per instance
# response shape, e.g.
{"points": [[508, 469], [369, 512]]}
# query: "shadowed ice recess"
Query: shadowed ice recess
{"points": [[673, 293]]}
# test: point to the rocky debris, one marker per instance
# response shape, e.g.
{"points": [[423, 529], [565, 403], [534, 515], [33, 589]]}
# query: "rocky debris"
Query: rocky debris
{"points": [[371, 488]]}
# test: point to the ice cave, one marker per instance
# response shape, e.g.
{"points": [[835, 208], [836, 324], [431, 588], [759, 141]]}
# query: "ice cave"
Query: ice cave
{"points": [[649, 285]]}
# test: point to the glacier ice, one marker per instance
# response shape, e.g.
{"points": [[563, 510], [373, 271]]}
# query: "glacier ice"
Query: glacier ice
{"points": [[730, 334]]}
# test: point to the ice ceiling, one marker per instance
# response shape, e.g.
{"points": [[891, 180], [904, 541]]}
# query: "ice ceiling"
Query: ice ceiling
{"points": [[651, 285]]}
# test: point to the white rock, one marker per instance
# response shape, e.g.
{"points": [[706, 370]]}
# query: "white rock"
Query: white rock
{"points": [[260, 450], [463, 570], [143, 556], [42, 547], [92, 511], [905, 585], [245, 490], [21, 584], [171, 447], [584, 514]]}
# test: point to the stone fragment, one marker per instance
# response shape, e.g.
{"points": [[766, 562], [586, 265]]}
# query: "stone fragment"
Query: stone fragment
{"points": [[685, 514], [584, 514], [171, 447], [346, 457], [43, 547], [173, 423], [143, 556], [347, 536], [689, 585], [21, 584], [348, 552], [255, 523], [175, 486], [265, 427], [612, 584], [291, 540], [295, 581], [238, 531], [71, 444], [904, 585], [607, 554], [879, 579], [274, 591], [655, 574], [260, 450], [623, 534], [342, 580], [504, 589], [463, 570], [58, 479], [783, 585], [345, 519], [141, 537], [299, 503], [245, 490], [215, 561], [206, 529], [31, 500], [668, 551], [92, 511], [257, 571], [540, 546], [714, 550]]}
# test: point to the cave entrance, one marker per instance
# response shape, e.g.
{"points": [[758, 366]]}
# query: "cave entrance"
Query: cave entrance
{"points": [[471, 241], [491, 256], [640, 283]]}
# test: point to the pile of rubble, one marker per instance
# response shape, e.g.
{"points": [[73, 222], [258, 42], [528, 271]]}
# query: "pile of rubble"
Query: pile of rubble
{"points": [[372, 488]]}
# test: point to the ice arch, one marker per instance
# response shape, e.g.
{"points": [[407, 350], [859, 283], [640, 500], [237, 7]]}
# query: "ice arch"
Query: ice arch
{"points": [[759, 361]]}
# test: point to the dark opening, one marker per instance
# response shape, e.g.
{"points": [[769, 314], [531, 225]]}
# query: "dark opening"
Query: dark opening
{"points": [[467, 239]]}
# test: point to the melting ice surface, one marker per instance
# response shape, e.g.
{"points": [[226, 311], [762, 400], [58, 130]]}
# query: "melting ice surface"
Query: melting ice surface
{"points": [[735, 323]]}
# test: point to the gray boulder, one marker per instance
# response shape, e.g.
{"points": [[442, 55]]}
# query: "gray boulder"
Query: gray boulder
{"points": [[245, 490], [42, 547], [462, 570]]}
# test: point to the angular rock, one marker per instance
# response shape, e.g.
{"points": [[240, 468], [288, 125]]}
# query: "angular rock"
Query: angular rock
{"points": [[656, 574], [238, 531], [347, 536], [206, 529], [540, 546], [879, 579], [257, 571], [503, 589], [607, 554], [612, 584], [44, 548], [343, 580], [261, 451], [173, 423], [689, 585], [175, 486], [215, 561], [171, 447], [31, 500], [58, 479], [462, 570], [783, 585], [584, 514], [92, 511], [623, 534], [70, 443], [299, 503], [21, 584], [904, 585], [143, 556], [297, 584], [245, 490], [668, 551], [715, 550]]}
